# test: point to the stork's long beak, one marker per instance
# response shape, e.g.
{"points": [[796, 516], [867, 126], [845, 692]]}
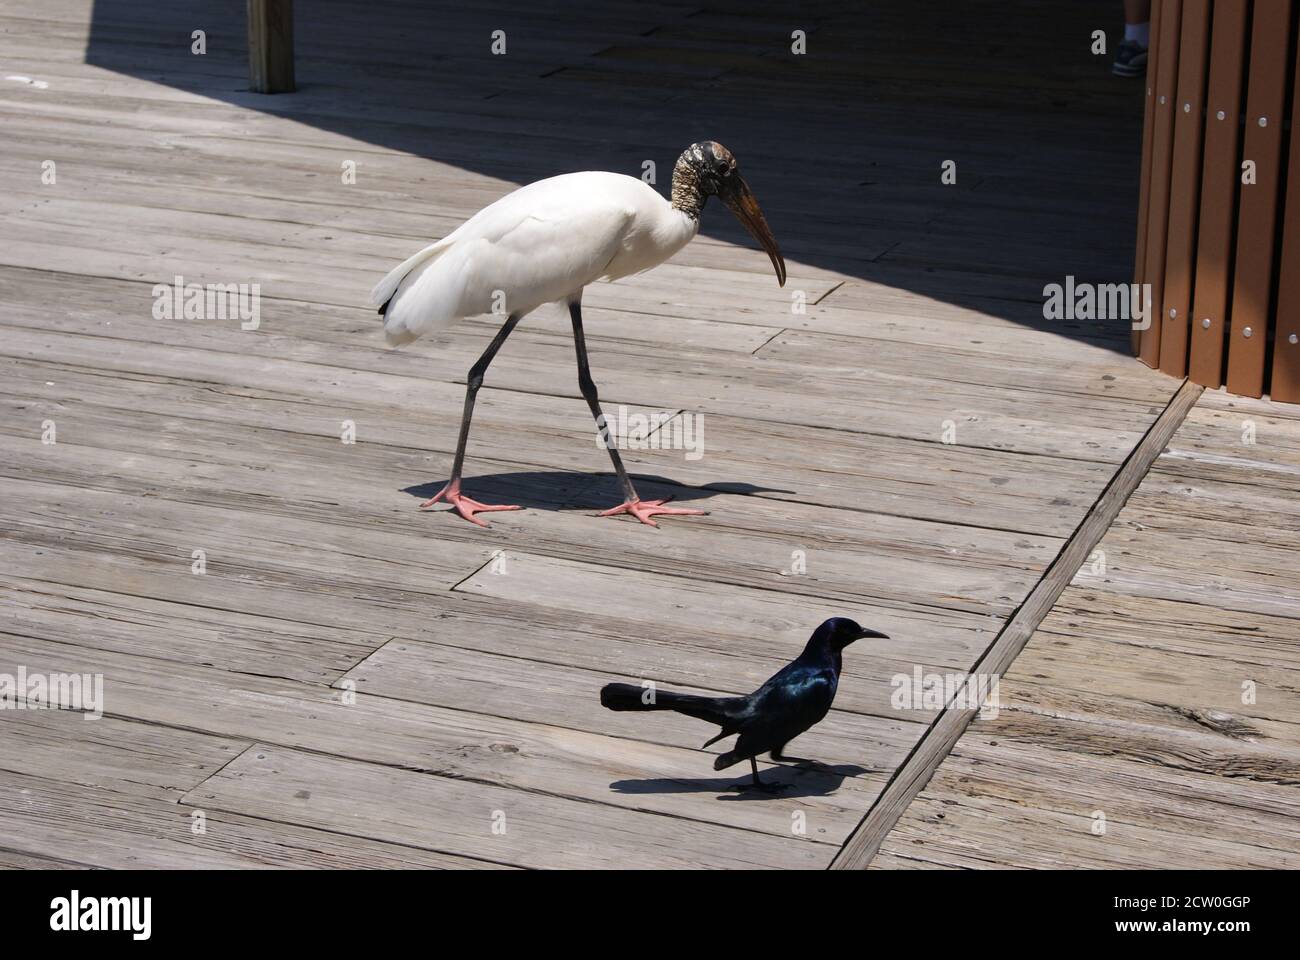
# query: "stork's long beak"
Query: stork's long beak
{"points": [[740, 201]]}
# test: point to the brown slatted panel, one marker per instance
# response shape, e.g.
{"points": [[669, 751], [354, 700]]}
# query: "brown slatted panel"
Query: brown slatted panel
{"points": [[1265, 97], [1161, 157], [1144, 190], [1184, 186], [1220, 177], [1286, 345]]}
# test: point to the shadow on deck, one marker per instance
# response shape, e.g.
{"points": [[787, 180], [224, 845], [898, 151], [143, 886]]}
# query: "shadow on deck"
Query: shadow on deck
{"points": [[844, 144]]}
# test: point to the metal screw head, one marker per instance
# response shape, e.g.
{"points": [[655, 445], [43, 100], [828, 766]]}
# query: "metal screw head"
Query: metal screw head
{"points": [[1162, 99], [1148, 91], [1187, 108], [1220, 114], [1173, 313], [1293, 339], [1206, 323], [1263, 121], [1246, 332]]}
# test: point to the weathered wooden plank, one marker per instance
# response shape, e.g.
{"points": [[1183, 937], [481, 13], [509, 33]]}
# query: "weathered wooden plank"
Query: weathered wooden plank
{"points": [[884, 475], [778, 545], [448, 667], [1111, 375], [102, 828], [1227, 635], [986, 417], [1164, 676], [155, 626], [436, 813], [109, 754], [667, 602]]}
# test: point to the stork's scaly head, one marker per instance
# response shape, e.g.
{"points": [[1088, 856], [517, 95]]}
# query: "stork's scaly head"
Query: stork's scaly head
{"points": [[708, 169]]}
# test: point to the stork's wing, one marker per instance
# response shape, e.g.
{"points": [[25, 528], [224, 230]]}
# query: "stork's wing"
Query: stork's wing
{"points": [[543, 242]]}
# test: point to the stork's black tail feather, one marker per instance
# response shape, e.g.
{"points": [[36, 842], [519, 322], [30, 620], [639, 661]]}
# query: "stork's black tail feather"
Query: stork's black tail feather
{"points": [[627, 696]]}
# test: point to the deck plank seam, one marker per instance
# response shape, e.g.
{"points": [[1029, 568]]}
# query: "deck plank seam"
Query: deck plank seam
{"points": [[943, 734]]}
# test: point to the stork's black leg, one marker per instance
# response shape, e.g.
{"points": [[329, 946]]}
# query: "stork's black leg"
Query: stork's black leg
{"points": [[590, 394], [643, 510], [473, 380]]}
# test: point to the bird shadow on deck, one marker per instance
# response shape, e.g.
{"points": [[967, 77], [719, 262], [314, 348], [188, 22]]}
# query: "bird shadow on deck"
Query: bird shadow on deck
{"points": [[843, 143], [791, 781]]}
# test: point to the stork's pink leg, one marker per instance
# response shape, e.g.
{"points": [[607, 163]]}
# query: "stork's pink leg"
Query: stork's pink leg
{"points": [[464, 505], [643, 510]]}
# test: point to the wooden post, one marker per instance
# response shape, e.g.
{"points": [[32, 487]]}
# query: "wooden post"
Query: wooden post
{"points": [[1266, 89], [270, 45], [1184, 188], [1220, 182], [1162, 159]]}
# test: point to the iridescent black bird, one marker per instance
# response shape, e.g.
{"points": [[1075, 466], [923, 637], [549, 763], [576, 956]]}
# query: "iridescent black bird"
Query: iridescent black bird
{"points": [[789, 703]]}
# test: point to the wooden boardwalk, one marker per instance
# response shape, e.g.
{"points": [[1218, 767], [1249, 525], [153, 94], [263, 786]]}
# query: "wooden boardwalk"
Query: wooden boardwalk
{"points": [[353, 683], [1152, 721]]}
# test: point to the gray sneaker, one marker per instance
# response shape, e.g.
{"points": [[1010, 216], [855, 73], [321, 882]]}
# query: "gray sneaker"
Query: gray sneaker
{"points": [[1130, 60]]}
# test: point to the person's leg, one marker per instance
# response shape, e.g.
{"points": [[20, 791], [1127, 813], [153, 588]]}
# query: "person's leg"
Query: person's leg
{"points": [[1131, 56], [1137, 21]]}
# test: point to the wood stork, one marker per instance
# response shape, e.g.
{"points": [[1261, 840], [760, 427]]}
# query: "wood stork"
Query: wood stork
{"points": [[544, 243]]}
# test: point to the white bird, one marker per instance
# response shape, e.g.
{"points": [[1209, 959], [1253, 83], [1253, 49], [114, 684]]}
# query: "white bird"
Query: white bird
{"points": [[544, 243]]}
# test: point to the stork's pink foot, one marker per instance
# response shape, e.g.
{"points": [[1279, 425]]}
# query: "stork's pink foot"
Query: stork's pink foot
{"points": [[643, 510], [463, 505]]}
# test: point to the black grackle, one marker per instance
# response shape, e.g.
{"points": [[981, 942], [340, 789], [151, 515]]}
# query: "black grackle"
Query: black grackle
{"points": [[789, 703]]}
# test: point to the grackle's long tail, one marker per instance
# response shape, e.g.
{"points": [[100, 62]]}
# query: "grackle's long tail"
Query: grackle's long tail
{"points": [[627, 696]]}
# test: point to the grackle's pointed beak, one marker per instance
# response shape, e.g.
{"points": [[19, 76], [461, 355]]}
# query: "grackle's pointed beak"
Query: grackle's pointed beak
{"points": [[740, 201], [865, 634]]}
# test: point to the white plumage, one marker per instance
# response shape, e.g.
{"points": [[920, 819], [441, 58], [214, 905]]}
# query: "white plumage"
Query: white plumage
{"points": [[541, 243]]}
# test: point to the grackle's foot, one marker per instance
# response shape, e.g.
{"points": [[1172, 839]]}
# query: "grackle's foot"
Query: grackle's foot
{"points": [[643, 510], [463, 505]]}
